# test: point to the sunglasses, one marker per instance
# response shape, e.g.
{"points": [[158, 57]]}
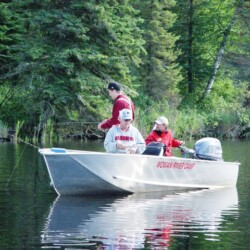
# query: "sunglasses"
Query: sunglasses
{"points": [[127, 120]]}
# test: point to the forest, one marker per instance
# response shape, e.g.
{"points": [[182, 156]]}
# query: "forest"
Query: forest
{"points": [[188, 60]]}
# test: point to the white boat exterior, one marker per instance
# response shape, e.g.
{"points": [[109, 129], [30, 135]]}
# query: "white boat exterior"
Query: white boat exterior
{"points": [[75, 172]]}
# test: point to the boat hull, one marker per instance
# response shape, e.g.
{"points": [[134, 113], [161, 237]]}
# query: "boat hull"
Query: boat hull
{"points": [[75, 172]]}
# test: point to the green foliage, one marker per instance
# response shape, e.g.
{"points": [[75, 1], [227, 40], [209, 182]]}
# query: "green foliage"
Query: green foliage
{"points": [[3, 130], [228, 123], [70, 49], [228, 115], [9, 38], [160, 73], [226, 95], [18, 127], [56, 58], [189, 124], [221, 114], [237, 56], [184, 124], [200, 26], [48, 131]]}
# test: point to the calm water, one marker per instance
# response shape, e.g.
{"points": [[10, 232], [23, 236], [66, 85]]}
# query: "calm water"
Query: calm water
{"points": [[33, 217]]}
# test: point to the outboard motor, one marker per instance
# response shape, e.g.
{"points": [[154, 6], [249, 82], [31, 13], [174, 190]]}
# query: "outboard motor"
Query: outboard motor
{"points": [[208, 149], [155, 148]]}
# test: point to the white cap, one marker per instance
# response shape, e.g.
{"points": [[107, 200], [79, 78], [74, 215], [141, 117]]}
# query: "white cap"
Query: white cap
{"points": [[162, 120], [126, 114]]}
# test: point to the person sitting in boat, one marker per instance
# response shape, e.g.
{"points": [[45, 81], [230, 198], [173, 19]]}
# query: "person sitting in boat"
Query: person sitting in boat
{"points": [[124, 137], [162, 134]]}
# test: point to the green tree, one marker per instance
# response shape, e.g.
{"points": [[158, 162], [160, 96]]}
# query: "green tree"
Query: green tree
{"points": [[237, 56], [10, 29], [69, 49], [202, 26], [160, 73], [220, 53]]}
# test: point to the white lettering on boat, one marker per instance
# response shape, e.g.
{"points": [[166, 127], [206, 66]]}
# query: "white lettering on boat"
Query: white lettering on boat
{"points": [[177, 165]]}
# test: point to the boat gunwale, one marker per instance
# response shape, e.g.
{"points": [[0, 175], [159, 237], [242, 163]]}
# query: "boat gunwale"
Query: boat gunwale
{"points": [[47, 151]]}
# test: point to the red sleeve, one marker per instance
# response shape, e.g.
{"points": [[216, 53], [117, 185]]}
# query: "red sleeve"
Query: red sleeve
{"points": [[118, 105], [150, 138], [175, 143]]}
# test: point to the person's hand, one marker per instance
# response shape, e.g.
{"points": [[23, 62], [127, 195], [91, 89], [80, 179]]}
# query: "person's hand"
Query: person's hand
{"points": [[132, 150], [120, 145], [99, 126]]}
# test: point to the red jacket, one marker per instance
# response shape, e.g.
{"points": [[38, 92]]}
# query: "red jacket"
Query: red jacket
{"points": [[121, 102], [165, 138]]}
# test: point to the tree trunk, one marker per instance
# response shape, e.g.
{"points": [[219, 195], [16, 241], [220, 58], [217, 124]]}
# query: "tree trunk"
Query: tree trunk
{"points": [[221, 51]]}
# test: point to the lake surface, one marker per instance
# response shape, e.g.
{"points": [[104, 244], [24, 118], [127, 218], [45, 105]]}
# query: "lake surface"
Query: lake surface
{"points": [[33, 217]]}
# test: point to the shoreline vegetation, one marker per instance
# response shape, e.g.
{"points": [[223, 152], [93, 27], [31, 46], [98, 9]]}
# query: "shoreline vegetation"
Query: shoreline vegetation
{"points": [[184, 126]]}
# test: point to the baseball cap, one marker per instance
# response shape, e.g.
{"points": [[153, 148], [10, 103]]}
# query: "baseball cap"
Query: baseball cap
{"points": [[126, 114], [114, 86], [162, 120]]}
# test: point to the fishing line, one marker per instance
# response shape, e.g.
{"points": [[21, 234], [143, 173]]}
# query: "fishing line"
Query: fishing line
{"points": [[27, 143], [37, 175], [13, 171]]}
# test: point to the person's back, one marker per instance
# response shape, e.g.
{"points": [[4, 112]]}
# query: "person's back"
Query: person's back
{"points": [[121, 102]]}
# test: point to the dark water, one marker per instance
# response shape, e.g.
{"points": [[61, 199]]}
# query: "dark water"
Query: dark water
{"points": [[33, 217]]}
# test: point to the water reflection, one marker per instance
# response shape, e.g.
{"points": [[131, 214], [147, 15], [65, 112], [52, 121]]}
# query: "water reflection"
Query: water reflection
{"points": [[139, 220]]}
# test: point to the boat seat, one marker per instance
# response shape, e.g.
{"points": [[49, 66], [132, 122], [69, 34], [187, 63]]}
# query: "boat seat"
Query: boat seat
{"points": [[154, 148]]}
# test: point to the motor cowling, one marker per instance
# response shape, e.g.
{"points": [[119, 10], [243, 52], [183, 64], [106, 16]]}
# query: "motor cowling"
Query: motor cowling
{"points": [[208, 149]]}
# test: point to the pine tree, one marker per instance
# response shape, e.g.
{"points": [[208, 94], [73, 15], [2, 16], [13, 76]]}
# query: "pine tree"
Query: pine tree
{"points": [[160, 71], [70, 49], [10, 29]]}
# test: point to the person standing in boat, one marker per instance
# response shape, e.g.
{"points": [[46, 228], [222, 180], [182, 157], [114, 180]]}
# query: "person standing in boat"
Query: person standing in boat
{"points": [[121, 101], [124, 137], [162, 134]]}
